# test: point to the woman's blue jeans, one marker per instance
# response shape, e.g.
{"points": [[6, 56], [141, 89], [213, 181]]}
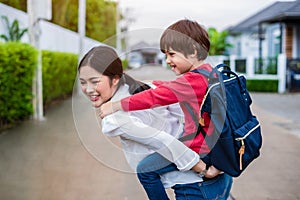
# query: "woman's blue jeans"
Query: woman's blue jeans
{"points": [[151, 167]]}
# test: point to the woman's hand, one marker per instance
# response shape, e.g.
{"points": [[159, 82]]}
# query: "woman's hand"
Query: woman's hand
{"points": [[212, 172], [200, 168], [109, 108]]}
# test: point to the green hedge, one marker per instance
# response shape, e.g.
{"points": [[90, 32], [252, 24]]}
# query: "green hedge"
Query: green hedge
{"points": [[59, 73], [262, 85], [17, 63]]}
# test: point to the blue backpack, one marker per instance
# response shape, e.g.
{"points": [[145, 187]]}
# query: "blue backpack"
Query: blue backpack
{"points": [[236, 140]]}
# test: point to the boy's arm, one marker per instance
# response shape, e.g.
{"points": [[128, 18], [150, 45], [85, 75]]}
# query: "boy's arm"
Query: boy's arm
{"points": [[151, 98], [179, 90]]}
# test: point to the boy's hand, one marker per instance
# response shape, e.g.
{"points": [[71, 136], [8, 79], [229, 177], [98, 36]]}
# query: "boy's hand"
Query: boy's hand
{"points": [[109, 108]]}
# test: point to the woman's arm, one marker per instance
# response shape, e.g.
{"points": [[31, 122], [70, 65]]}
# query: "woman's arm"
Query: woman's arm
{"points": [[132, 128]]}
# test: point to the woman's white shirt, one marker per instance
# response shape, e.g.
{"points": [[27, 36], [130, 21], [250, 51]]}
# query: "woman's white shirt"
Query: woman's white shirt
{"points": [[146, 131]]}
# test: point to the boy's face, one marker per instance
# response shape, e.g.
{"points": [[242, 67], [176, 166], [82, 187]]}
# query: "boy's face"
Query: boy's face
{"points": [[96, 86], [178, 62]]}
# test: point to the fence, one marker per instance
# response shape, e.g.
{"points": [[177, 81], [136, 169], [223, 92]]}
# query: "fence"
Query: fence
{"points": [[254, 68]]}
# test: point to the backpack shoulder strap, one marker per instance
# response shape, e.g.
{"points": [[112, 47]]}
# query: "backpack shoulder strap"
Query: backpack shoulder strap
{"points": [[199, 127], [191, 112], [202, 71]]}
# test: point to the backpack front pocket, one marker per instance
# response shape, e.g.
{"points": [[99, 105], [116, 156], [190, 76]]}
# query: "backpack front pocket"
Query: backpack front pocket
{"points": [[248, 142]]}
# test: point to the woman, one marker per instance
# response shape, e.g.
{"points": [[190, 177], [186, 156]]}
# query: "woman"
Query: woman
{"points": [[141, 132], [185, 44]]}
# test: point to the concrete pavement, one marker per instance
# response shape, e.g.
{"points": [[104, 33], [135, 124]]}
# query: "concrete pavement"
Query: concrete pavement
{"points": [[65, 157], [275, 174]]}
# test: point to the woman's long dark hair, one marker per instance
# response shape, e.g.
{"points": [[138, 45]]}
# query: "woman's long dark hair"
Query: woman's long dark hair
{"points": [[105, 60]]}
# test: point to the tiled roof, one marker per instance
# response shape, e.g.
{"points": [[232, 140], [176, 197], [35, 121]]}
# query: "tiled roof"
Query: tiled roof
{"points": [[278, 11]]}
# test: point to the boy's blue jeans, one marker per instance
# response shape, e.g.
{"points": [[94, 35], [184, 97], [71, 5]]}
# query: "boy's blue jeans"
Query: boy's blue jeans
{"points": [[151, 167]]}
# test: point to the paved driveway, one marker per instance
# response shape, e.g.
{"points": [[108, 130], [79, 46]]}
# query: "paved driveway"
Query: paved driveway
{"points": [[65, 157]]}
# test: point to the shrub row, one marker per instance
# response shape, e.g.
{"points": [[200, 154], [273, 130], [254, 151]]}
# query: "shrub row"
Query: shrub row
{"points": [[59, 73], [262, 85], [17, 64]]}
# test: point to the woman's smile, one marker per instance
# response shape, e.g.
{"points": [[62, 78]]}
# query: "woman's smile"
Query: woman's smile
{"points": [[94, 97]]}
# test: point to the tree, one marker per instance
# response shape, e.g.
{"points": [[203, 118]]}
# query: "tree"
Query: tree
{"points": [[65, 13], [218, 41], [14, 32], [100, 16], [19, 4], [101, 19]]}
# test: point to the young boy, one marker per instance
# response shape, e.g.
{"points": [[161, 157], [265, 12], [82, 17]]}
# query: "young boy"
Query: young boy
{"points": [[186, 45]]}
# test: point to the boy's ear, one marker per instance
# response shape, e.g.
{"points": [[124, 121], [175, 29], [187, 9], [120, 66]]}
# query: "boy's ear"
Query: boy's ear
{"points": [[194, 55], [195, 52]]}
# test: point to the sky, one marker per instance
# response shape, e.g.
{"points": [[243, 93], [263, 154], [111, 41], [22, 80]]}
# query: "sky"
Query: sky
{"points": [[211, 13], [151, 17]]}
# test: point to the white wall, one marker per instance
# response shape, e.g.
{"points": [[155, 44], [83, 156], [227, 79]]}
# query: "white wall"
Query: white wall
{"points": [[246, 45], [53, 37]]}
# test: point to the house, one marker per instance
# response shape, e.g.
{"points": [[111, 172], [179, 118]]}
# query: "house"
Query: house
{"points": [[145, 53], [273, 31]]}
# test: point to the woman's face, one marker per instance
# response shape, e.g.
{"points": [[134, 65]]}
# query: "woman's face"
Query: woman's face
{"points": [[98, 87]]}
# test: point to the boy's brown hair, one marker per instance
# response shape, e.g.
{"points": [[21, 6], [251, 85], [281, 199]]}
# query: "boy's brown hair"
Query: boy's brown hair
{"points": [[186, 36]]}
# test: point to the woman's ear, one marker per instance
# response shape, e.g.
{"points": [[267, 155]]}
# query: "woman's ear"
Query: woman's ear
{"points": [[115, 80]]}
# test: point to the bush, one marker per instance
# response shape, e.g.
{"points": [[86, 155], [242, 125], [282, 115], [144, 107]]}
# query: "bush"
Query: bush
{"points": [[17, 61], [125, 64], [59, 74], [17, 64], [262, 85]]}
